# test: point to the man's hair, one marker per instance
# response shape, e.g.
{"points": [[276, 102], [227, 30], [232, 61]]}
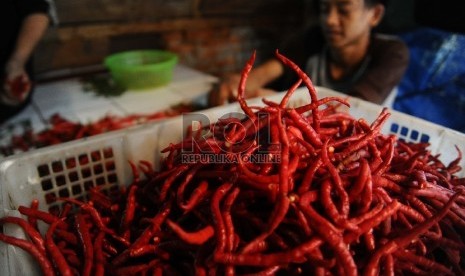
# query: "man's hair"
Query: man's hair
{"points": [[371, 3], [368, 3]]}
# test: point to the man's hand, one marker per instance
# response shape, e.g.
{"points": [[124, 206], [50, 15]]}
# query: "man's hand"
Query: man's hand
{"points": [[225, 91], [16, 86]]}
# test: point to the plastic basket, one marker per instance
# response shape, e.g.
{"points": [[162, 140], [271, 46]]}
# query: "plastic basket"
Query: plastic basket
{"points": [[141, 69], [70, 169]]}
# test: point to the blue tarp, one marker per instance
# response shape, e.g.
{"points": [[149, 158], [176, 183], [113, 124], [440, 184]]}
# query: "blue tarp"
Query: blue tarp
{"points": [[433, 87]]}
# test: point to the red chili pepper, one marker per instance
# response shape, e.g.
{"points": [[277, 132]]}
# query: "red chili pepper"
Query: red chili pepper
{"points": [[306, 128], [195, 198], [289, 94], [30, 230], [330, 235], [19, 86], [55, 252], [45, 264], [272, 259], [311, 89], [153, 229], [339, 187], [99, 267], [241, 89], [87, 245], [220, 228], [130, 210], [401, 241], [41, 215], [334, 197], [197, 238], [33, 221]]}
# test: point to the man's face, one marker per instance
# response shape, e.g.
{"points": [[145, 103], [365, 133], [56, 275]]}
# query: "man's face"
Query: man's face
{"points": [[345, 22]]}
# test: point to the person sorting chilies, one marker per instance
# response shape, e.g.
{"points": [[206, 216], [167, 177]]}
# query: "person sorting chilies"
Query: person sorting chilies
{"points": [[343, 52], [23, 24]]}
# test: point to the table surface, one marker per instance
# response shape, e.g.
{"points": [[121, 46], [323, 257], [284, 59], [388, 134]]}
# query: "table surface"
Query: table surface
{"points": [[69, 99]]}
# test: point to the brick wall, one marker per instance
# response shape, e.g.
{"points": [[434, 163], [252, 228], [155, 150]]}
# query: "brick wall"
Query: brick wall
{"points": [[215, 36]]}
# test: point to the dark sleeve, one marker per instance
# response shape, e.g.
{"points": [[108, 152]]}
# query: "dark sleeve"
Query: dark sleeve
{"points": [[389, 60], [298, 48], [27, 7]]}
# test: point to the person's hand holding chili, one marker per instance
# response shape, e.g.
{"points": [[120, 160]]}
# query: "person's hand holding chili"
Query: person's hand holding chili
{"points": [[31, 20], [226, 90], [16, 84]]}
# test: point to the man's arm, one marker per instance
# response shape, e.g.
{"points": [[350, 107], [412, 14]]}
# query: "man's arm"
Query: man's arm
{"points": [[386, 70], [32, 29]]}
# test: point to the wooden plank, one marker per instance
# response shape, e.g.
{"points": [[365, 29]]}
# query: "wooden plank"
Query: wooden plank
{"points": [[85, 11], [213, 35], [72, 12], [111, 29]]}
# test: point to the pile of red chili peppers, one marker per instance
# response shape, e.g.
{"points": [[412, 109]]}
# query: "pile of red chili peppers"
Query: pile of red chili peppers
{"points": [[61, 130], [341, 199]]}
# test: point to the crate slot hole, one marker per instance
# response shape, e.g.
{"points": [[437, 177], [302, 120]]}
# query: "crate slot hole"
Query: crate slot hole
{"points": [[112, 178], [46, 184], [76, 189], [60, 180], [424, 138], [86, 173], [57, 166], [83, 159], [50, 198], [108, 153], [100, 181], [73, 176], [96, 156], [410, 135], [43, 170], [88, 185], [70, 163], [403, 131], [394, 128], [63, 193], [110, 166], [98, 169], [414, 135], [54, 210]]}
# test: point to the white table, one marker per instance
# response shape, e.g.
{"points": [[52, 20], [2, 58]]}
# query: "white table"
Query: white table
{"points": [[68, 98]]}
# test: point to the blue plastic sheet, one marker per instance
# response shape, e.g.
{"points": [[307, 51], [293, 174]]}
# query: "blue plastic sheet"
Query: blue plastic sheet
{"points": [[433, 87]]}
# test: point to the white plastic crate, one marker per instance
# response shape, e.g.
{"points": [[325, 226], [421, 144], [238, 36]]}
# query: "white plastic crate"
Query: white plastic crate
{"points": [[70, 169]]}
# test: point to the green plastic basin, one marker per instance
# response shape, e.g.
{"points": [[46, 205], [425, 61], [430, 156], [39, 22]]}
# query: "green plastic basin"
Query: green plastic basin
{"points": [[141, 69]]}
